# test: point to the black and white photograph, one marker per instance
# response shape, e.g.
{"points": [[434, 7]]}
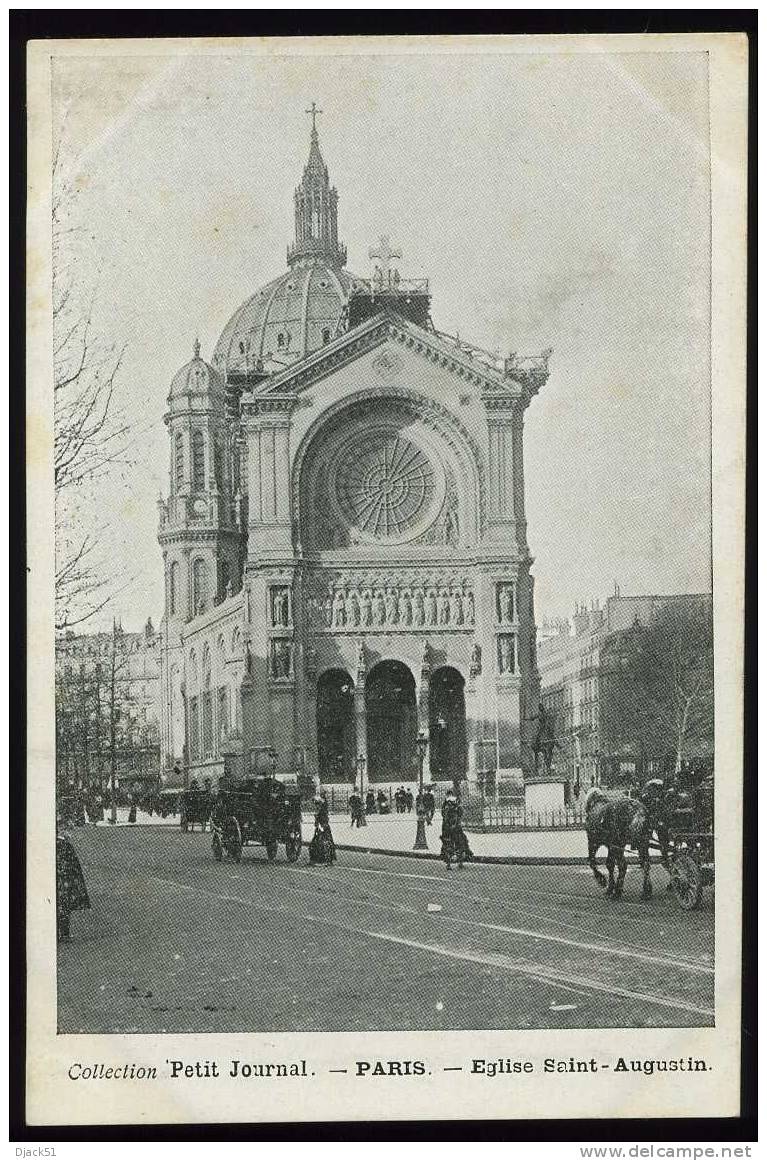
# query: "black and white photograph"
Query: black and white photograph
{"points": [[386, 456]]}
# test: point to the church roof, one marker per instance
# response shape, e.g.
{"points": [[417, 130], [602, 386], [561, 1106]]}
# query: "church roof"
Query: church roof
{"points": [[285, 320], [510, 377]]}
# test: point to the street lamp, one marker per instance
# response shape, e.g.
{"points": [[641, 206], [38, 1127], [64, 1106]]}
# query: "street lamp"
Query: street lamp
{"points": [[361, 763], [420, 832]]}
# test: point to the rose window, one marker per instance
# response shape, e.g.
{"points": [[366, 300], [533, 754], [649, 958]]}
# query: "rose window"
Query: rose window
{"points": [[385, 485]]}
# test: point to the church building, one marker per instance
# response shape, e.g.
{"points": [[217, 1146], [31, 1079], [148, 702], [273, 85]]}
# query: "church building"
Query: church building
{"points": [[347, 571]]}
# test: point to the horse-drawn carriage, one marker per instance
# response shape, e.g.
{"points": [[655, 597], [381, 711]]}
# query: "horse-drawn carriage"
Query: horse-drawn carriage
{"points": [[195, 806], [690, 843], [257, 811]]}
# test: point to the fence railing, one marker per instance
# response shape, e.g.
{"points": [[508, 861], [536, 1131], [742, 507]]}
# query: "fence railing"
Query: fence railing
{"points": [[510, 818]]}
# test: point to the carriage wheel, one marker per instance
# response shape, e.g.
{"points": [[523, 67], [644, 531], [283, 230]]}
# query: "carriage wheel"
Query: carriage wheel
{"points": [[218, 850], [232, 839], [271, 849], [687, 881], [293, 846]]}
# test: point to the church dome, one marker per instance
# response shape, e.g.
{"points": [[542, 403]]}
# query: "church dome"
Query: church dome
{"points": [[197, 378], [288, 318], [298, 312]]}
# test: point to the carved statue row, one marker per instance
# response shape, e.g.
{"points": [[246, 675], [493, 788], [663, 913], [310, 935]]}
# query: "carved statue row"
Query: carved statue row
{"points": [[388, 608]]}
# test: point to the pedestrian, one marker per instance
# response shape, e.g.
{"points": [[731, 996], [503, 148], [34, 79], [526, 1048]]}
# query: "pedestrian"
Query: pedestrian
{"points": [[455, 845], [429, 805], [322, 849], [409, 801], [132, 811], [370, 802], [71, 892], [355, 809]]}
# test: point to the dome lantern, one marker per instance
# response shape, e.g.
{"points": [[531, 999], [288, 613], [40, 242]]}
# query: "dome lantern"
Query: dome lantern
{"points": [[316, 209]]}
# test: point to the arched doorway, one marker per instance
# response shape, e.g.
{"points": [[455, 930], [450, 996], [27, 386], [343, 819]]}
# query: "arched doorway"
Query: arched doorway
{"points": [[392, 723], [447, 725], [336, 741]]}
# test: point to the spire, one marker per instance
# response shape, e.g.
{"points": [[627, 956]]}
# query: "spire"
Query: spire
{"points": [[316, 208], [315, 164], [196, 347]]}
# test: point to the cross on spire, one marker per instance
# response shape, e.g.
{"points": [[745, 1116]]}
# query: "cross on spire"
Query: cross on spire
{"points": [[384, 254], [313, 113]]}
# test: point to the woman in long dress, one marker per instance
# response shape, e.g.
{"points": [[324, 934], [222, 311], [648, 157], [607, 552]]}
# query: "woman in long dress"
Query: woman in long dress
{"points": [[322, 848], [71, 892], [455, 846]]}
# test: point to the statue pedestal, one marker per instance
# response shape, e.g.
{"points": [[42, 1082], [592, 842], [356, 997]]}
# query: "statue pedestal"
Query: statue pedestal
{"points": [[545, 792]]}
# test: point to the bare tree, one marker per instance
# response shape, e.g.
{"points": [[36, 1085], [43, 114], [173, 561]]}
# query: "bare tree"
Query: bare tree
{"points": [[663, 688], [91, 436]]}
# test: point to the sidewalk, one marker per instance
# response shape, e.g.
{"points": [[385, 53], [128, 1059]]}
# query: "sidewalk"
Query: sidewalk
{"points": [[395, 835]]}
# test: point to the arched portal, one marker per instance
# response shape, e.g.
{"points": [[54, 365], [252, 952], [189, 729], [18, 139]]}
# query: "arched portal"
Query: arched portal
{"points": [[336, 738], [447, 725], [392, 723]]}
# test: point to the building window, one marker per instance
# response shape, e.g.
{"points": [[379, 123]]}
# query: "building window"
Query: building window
{"points": [[326, 335], [194, 729], [207, 724], [218, 466], [223, 713], [173, 588], [198, 462], [280, 340], [179, 462], [199, 584]]}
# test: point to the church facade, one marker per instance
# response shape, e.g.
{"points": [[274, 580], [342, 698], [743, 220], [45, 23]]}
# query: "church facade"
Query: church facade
{"points": [[344, 540]]}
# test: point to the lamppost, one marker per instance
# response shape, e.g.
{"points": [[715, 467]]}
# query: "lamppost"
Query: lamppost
{"points": [[361, 763], [420, 832]]}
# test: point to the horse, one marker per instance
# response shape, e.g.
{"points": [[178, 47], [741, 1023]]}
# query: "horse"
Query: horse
{"points": [[614, 822], [656, 802]]}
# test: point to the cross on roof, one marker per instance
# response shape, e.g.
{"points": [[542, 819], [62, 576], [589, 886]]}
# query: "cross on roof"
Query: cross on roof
{"points": [[313, 113], [384, 253]]}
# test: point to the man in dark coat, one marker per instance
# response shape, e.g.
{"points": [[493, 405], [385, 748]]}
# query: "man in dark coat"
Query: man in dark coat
{"points": [[355, 809], [429, 805], [370, 802], [71, 892]]}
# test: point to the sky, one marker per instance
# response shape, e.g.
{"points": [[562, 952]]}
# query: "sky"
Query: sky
{"points": [[552, 201]]}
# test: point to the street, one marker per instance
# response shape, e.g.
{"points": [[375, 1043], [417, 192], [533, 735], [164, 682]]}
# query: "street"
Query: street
{"points": [[176, 942]]}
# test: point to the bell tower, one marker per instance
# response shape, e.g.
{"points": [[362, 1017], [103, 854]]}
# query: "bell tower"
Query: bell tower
{"points": [[199, 524]]}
